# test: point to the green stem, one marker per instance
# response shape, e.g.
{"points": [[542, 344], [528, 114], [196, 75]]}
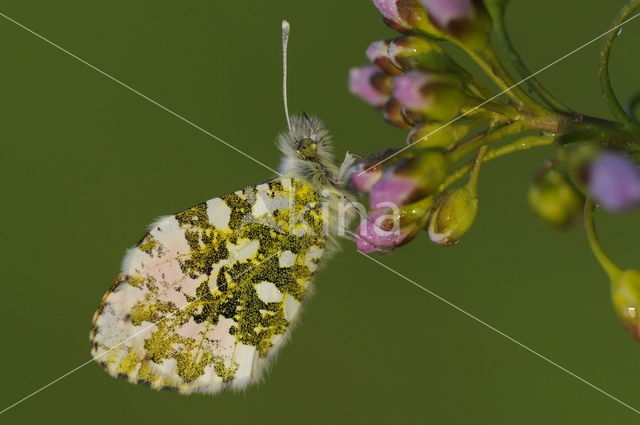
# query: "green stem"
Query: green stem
{"points": [[479, 90], [497, 11], [475, 169], [507, 111], [590, 227], [498, 74], [490, 63], [485, 138], [520, 145], [608, 93], [581, 128]]}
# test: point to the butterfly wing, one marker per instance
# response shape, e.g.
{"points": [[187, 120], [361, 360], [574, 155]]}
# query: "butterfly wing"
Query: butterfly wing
{"points": [[209, 294]]}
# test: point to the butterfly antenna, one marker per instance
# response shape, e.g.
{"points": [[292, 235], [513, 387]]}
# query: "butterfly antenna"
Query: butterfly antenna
{"points": [[286, 29]]}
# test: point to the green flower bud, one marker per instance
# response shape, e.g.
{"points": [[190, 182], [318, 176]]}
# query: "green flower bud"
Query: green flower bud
{"points": [[415, 52], [579, 154], [453, 216], [625, 295], [554, 199], [436, 134]]}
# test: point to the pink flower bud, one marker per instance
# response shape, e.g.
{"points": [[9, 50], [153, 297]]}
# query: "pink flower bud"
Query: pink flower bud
{"points": [[463, 19], [409, 179], [391, 14], [367, 171], [370, 84], [377, 53], [406, 16], [614, 181], [408, 89], [437, 96], [444, 13], [386, 228], [394, 188]]}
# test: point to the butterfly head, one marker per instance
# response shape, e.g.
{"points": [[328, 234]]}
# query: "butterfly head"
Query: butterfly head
{"points": [[307, 148]]}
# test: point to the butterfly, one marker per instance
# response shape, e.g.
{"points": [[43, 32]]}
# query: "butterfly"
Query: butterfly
{"points": [[208, 296]]}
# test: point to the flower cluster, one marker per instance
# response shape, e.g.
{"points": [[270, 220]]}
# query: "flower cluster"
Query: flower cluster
{"points": [[420, 88], [455, 124]]}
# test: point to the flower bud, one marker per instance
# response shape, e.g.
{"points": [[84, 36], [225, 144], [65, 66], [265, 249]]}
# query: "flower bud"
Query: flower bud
{"points": [[437, 134], [554, 199], [453, 216], [390, 227], [379, 230], [436, 96], [410, 179], [378, 54], [367, 171], [465, 20], [614, 181], [625, 295], [406, 16], [391, 14], [370, 84], [414, 52], [395, 114], [579, 154]]}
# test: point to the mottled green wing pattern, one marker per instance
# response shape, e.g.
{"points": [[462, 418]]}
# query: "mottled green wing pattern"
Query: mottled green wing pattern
{"points": [[209, 294]]}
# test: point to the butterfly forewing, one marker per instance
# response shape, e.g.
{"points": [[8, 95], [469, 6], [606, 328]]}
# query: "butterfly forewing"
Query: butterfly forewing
{"points": [[209, 294]]}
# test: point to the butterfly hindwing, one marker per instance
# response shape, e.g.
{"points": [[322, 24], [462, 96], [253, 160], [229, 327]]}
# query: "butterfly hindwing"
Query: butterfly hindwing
{"points": [[209, 294]]}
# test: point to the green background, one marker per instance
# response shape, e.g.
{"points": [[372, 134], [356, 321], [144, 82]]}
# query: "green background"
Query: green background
{"points": [[86, 164]]}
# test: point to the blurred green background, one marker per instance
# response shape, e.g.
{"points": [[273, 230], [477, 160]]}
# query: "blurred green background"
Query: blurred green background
{"points": [[86, 164]]}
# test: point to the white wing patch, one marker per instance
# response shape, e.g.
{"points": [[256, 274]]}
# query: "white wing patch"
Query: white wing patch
{"points": [[287, 259], [268, 292], [208, 295], [219, 213]]}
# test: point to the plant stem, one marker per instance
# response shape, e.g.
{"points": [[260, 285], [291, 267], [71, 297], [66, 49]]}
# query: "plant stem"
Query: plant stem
{"points": [[498, 108], [521, 145], [497, 11], [475, 169], [608, 93], [590, 227], [485, 138], [491, 64]]}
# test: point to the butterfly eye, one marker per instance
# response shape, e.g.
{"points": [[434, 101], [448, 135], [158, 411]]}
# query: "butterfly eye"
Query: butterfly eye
{"points": [[307, 148]]}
